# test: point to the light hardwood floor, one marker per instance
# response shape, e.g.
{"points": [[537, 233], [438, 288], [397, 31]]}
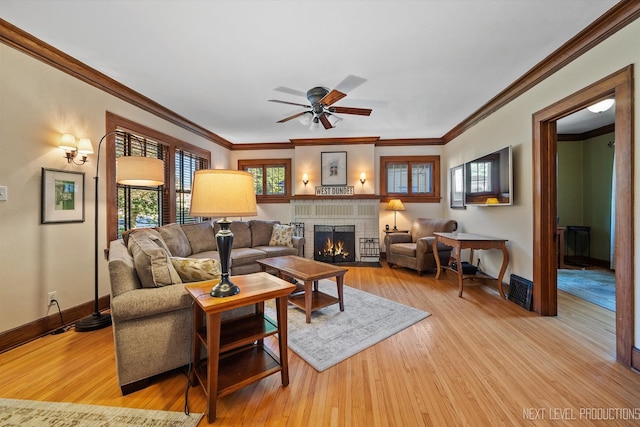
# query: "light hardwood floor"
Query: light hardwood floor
{"points": [[476, 361]]}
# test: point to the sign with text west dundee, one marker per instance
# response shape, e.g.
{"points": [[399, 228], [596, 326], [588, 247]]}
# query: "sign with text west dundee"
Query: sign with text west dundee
{"points": [[335, 190]]}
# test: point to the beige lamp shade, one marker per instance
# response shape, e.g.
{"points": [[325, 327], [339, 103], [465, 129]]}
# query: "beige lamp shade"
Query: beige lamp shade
{"points": [[67, 142], [140, 171], [85, 147], [395, 205], [222, 193]]}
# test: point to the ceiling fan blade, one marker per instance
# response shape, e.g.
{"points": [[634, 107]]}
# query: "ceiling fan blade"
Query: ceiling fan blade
{"points": [[290, 103], [351, 110], [291, 91], [325, 122], [349, 83], [331, 97], [286, 119]]}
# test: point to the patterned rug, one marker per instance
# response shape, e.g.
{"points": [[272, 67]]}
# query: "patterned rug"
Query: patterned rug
{"points": [[333, 336], [27, 413], [595, 286]]}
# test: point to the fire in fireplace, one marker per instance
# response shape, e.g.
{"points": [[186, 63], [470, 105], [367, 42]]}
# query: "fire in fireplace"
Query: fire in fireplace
{"points": [[334, 243]]}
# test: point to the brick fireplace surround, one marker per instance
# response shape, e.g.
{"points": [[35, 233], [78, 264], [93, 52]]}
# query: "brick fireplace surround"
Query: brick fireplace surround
{"points": [[363, 213]]}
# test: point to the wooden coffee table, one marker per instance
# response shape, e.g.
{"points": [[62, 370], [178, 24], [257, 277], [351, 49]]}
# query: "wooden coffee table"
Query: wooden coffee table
{"points": [[307, 296]]}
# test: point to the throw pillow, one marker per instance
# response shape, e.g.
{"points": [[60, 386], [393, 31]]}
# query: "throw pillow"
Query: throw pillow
{"points": [[282, 235], [197, 269], [151, 260]]}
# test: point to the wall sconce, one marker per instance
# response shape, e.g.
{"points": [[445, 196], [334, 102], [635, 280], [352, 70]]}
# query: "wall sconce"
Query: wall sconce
{"points": [[305, 179], [72, 148], [363, 178]]}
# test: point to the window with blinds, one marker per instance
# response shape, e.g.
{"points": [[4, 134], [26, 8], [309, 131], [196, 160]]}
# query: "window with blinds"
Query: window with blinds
{"points": [[139, 207], [186, 165]]}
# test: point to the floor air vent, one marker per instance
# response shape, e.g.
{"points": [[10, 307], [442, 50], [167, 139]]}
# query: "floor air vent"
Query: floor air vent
{"points": [[521, 291]]}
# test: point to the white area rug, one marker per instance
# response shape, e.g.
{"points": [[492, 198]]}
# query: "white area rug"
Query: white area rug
{"points": [[27, 413], [595, 286], [333, 336]]}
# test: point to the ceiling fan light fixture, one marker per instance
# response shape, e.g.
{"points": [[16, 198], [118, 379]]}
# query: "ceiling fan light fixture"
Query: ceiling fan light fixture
{"points": [[305, 119], [315, 124], [602, 106], [320, 109]]}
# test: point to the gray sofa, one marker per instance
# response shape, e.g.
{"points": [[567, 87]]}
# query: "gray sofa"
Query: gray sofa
{"points": [[415, 249], [151, 311]]}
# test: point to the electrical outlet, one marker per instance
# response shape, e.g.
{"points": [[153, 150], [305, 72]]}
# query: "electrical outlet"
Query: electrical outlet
{"points": [[52, 296]]}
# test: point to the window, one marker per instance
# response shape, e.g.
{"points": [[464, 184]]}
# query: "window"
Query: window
{"points": [[271, 178], [410, 178], [186, 165], [139, 207]]}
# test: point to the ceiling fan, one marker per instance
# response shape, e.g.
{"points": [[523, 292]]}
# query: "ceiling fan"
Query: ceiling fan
{"points": [[321, 100]]}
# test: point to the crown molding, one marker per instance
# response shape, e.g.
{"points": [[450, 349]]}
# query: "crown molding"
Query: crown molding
{"points": [[336, 141], [616, 18], [587, 135], [36, 48]]}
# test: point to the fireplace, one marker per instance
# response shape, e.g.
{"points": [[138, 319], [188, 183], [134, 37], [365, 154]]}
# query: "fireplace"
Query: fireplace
{"points": [[334, 243]]}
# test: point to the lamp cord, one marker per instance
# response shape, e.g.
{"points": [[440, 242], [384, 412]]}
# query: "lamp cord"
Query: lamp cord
{"points": [[187, 411], [63, 327]]}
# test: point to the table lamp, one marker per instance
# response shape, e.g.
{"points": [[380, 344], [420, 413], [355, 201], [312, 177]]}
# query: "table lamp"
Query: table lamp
{"points": [[395, 205], [223, 193]]}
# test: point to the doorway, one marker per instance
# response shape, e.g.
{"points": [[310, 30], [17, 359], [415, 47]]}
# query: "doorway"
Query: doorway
{"points": [[620, 86], [585, 171]]}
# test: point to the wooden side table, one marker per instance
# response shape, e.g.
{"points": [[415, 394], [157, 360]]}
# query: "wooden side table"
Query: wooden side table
{"points": [[236, 354], [460, 241]]}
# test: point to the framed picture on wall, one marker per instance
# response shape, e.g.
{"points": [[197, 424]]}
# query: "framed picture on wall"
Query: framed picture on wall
{"points": [[456, 184], [62, 196], [334, 168]]}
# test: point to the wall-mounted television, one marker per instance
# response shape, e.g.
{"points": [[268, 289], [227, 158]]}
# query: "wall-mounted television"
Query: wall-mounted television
{"points": [[488, 180]]}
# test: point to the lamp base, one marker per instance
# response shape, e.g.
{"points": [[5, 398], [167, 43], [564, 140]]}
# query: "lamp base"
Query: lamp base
{"points": [[94, 322], [224, 288], [224, 238]]}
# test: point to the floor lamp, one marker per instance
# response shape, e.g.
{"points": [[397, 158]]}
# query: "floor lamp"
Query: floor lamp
{"points": [[223, 193], [132, 170]]}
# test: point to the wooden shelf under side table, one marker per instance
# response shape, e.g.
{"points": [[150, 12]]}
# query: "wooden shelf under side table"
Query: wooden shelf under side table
{"points": [[309, 272], [460, 241], [236, 354]]}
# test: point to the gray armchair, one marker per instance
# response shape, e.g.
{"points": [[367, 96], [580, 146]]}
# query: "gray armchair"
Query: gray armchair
{"points": [[415, 249]]}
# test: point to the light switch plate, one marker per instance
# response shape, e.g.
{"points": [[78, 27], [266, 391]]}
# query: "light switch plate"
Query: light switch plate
{"points": [[3, 192]]}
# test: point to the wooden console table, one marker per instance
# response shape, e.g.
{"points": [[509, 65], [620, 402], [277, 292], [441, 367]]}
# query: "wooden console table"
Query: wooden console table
{"points": [[460, 241], [236, 354]]}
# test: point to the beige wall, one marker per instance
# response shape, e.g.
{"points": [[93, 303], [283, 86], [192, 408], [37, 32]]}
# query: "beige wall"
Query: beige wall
{"points": [[37, 104], [513, 125]]}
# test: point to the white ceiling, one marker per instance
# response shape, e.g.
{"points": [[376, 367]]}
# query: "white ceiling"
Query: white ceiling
{"points": [[429, 64]]}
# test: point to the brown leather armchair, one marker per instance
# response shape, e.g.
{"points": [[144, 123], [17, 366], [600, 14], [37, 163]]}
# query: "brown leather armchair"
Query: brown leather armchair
{"points": [[415, 249]]}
